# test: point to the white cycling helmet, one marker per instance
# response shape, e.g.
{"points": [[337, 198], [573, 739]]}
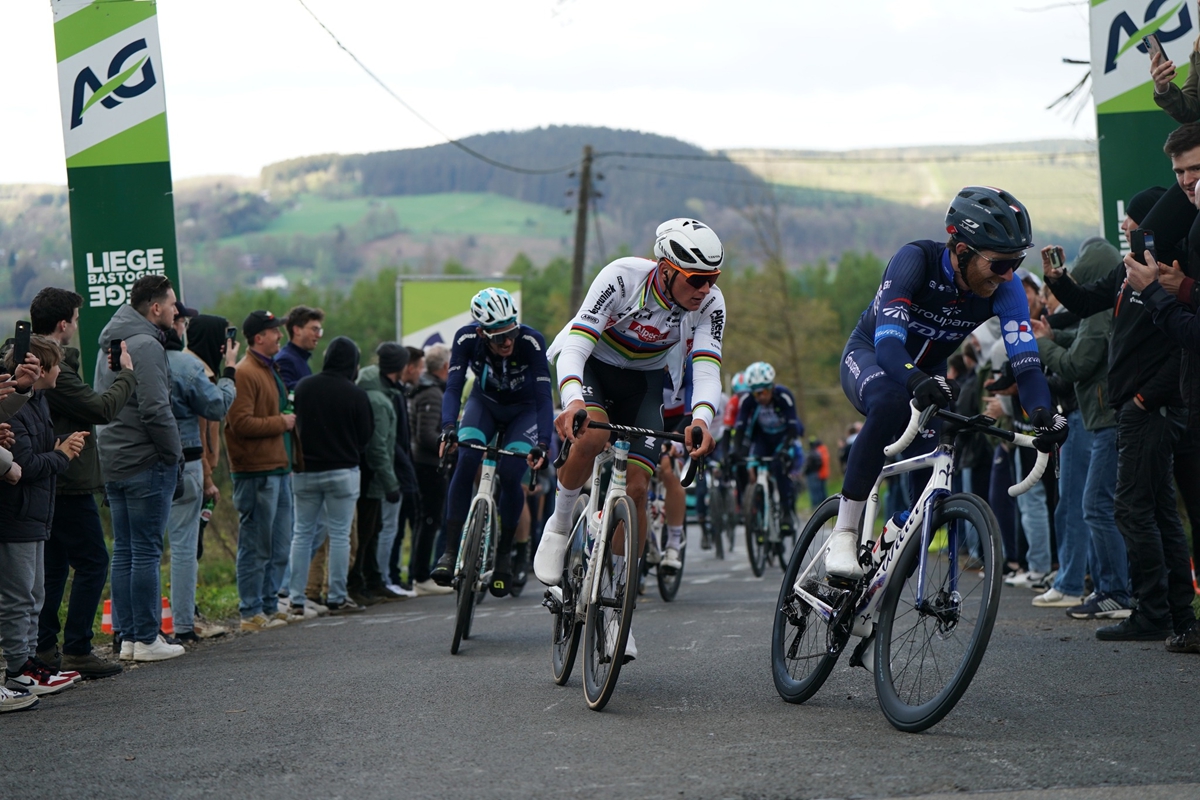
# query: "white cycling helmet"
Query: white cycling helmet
{"points": [[739, 383], [493, 308], [690, 244], [760, 375]]}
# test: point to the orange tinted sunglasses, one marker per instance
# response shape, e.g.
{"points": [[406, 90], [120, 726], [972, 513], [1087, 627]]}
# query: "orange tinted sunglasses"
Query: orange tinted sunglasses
{"points": [[695, 278]]}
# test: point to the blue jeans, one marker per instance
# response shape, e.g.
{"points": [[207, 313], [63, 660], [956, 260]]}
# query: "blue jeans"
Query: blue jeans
{"points": [[1109, 563], [264, 505], [325, 504], [390, 517], [183, 532], [1074, 540], [140, 507], [1035, 518]]}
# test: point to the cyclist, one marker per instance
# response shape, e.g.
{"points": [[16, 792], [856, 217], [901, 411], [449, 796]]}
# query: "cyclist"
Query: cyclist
{"points": [[767, 427], [931, 297], [511, 397], [638, 317]]}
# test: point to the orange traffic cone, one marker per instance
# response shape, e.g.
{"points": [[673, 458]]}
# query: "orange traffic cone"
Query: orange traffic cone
{"points": [[168, 619], [106, 619]]}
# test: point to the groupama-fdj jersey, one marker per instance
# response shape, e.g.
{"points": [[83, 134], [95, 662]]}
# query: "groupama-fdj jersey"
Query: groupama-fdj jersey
{"points": [[626, 321], [920, 317], [522, 378]]}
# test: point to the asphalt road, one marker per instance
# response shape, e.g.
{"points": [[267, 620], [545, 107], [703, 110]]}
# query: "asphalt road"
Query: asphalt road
{"points": [[374, 705]]}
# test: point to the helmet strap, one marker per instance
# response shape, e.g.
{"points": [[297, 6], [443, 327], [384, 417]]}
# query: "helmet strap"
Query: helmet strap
{"points": [[670, 281]]}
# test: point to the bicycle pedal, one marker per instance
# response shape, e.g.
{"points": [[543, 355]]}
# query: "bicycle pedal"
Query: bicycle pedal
{"points": [[552, 600]]}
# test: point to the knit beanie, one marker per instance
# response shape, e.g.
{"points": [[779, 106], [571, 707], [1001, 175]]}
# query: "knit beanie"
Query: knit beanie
{"points": [[393, 357]]}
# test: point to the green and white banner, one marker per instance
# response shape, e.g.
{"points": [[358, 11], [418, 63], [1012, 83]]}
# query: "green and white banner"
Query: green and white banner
{"points": [[430, 310], [1130, 127], [114, 115]]}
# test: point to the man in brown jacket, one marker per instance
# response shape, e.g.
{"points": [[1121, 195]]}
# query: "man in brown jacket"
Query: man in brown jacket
{"points": [[259, 442]]}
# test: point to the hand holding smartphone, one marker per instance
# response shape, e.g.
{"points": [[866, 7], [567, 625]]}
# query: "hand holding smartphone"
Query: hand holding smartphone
{"points": [[1141, 240], [231, 346], [114, 355], [21, 342], [1154, 48]]}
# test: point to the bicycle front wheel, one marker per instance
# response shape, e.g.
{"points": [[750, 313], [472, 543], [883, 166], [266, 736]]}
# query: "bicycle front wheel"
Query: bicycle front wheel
{"points": [[801, 641], [606, 630], [669, 580], [927, 652], [567, 627], [716, 519], [469, 575], [756, 529]]}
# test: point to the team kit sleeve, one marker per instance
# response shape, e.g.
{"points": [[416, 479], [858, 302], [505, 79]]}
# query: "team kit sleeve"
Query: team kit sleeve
{"points": [[1012, 307], [706, 358], [541, 387], [893, 302], [464, 342], [585, 328]]}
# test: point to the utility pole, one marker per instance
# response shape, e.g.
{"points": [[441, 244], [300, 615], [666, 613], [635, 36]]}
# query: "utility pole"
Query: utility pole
{"points": [[585, 186]]}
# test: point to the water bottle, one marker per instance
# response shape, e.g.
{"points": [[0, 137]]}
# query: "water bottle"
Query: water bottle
{"points": [[593, 530], [206, 512], [891, 530]]}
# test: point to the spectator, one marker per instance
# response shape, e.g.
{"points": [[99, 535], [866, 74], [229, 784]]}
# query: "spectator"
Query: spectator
{"points": [[333, 418], [206, 341], [1183, 105], [381, 383], [259, 441], [141, 459], [426, 434], [76, 538], [405, 473], [816, 471], [26, 513], [195, 401], [304, 331]]}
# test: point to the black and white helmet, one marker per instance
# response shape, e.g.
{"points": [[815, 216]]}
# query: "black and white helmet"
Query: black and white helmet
{"points": [[493, 308], [989, 219], [690, 244]]}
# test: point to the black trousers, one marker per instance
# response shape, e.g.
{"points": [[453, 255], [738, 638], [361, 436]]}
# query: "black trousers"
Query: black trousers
{"points": [[1145, 513], [429, 520], [1187, 479], [76, 542], [365, 573]]}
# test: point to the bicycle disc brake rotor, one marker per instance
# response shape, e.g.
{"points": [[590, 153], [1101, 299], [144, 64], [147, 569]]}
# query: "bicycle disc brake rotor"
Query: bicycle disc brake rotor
{"points": [[946, 607]]}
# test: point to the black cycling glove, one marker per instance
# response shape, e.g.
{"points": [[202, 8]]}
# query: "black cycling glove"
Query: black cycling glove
{"points": [[1051, 428], [930, 390]]}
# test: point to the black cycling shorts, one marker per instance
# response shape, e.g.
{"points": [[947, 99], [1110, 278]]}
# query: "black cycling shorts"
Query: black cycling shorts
{"points": [[629, 397]]}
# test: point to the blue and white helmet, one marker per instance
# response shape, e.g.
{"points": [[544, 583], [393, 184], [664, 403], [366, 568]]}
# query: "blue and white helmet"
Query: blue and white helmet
{"points": [[739, 383], [760, 375], [493, 308]]}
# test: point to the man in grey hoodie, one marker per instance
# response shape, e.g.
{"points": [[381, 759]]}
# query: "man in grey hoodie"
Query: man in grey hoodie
{"points": [[140, 457]]}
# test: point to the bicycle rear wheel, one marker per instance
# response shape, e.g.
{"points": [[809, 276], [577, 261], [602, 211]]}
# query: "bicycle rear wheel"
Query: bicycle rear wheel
{"points": [[801, 639], [669, 581], [568, 627], [716, 518], [469, 576], [926, 655], [756, 529], [606, 629]]}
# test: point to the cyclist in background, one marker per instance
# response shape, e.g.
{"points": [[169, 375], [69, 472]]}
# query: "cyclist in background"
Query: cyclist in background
{"points": [[739, 389], [512, 394], [931, 297], [675, 418], [766, 426]]}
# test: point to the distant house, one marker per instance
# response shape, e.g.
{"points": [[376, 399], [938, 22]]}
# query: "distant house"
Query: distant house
{"points": [[273, 282]]}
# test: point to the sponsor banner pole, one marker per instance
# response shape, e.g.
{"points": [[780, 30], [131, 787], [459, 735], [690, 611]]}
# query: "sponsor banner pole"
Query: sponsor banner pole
{"points": [[431, 309], [1130, 127], [114, 115]]}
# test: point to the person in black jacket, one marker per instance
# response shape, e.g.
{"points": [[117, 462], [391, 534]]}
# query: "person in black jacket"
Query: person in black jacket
{"points": [[426, 422], [333, 418], [26, 514]]}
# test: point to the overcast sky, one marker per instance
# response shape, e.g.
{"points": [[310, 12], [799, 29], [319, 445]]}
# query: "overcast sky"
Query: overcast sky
{"points": [[250, 82]]}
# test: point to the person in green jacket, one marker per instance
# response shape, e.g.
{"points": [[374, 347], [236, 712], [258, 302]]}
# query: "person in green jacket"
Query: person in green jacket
{"points": [[1080, 354]]}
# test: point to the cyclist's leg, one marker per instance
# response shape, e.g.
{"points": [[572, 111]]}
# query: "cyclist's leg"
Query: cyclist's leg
{"points": [[477, 426], [676, 499], [639, 404], [520, 436]]}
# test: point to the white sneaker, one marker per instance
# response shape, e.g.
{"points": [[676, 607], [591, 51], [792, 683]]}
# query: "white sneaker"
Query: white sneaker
{"points": [[282, 605], [842, 559], [126, 650], [321, 609], [611, 630], [671, 559], [16, 699], [158, 650], [428, 588], [1025, 579], [1053, 598], [396, 588], [548, 561]]}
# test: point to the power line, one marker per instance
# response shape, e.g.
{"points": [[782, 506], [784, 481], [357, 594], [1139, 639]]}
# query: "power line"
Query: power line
{"points": [[965, 159], [449, 140]]}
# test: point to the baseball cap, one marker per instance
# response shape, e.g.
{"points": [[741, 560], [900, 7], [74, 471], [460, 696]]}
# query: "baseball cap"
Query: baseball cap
{"points": [[259, 321], [185, 311]]}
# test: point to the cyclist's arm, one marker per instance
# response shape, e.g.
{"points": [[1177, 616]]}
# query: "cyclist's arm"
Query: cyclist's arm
{"points": [[1011, 305], [788, 408], [464, 343], [706, 359], [541, 376], [600, 304], [903, 275]]}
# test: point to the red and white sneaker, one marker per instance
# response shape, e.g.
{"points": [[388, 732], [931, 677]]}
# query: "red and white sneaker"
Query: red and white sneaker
{"points": [[38, 680], [70, 673]]}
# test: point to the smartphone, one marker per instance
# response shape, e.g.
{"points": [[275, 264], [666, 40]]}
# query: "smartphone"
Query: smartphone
{"points": [[231, 334], [114, 355], [1056, 258], [21, 343], [1154, 47], [1141, 240]]}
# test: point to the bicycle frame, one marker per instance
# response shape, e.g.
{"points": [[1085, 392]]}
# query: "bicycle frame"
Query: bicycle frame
{"points": [[487, 494], [765, 481], [618, 454]]}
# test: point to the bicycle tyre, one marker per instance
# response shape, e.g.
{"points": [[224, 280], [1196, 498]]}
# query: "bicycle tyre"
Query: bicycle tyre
{"points": [[599, 671], [468, 576], [731, 516], [669, 582], [716, 519], [756, 531], [566, 628], [815, 663], [980, 602]]}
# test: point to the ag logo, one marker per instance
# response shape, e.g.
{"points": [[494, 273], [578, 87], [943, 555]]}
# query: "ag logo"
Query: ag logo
{"points": [[1153, 22], [107, 93]]}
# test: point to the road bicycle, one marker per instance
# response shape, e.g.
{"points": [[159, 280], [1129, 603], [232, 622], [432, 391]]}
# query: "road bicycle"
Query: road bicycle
{"points": [[669, 579], [722, 513], [764, 517], [922, 623], [598, 588], [480, 536]]}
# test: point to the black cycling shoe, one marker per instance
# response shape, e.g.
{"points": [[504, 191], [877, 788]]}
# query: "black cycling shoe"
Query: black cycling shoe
{"points": [[443, 571], [501, 584]]}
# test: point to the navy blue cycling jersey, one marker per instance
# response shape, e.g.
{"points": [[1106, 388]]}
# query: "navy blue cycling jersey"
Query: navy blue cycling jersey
{"points": [[522, 377], [920, 317], [775, 420]]}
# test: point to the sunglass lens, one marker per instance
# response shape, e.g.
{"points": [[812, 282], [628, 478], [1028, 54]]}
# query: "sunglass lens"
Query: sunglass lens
{"points": [[700, 281], [1005, 265]]}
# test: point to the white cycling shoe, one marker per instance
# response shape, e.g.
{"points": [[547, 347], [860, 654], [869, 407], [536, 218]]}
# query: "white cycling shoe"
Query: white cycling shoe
{"points": [[611, 630], [548, 560], [671, 559], [842, 559]]}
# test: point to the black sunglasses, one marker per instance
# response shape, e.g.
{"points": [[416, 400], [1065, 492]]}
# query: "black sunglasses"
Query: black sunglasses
{"points": [[1000, 266], [509, 335]]}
